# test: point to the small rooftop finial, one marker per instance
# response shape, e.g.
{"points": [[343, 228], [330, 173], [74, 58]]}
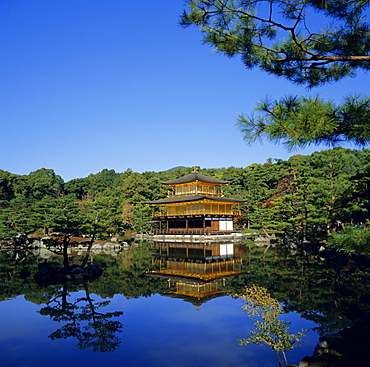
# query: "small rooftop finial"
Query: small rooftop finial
{"points": [[195, 169]]}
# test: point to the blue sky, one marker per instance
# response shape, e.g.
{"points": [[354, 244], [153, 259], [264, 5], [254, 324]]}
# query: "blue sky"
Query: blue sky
{"points": [[117, 84]]}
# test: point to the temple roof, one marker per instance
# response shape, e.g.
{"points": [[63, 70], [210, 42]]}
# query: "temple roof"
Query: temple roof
{"points": [[194, 176], [186, 199], [197, 301]]}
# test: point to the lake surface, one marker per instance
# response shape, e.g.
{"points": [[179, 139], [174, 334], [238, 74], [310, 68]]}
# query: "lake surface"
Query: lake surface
{"points": [[172, 305]]}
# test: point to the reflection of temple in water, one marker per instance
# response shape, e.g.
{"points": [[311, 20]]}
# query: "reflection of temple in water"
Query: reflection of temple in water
{"points": [[195, 272]]}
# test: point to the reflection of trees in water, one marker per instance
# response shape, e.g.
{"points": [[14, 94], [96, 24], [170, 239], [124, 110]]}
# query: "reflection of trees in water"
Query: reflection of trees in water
{"points": [[121, 274], [83, 321], [269, 329], [334, 293], [83, 318]]}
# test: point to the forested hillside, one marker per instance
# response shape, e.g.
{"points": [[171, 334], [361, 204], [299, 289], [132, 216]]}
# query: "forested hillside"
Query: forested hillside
{"points": [[303, 192]]}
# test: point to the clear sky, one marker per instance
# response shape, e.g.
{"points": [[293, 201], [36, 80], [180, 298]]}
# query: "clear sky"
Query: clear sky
{"points": [[93, 84]]}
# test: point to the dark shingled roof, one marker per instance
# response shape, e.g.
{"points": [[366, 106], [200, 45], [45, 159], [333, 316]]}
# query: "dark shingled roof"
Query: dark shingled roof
{"points": [[193, 177], [186, 199]]}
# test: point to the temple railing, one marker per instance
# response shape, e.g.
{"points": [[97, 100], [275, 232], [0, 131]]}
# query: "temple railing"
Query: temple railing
{"points": [[199, 231], [197, 212]]}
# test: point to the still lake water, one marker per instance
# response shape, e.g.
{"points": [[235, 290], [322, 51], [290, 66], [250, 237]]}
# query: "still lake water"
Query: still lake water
{"points": [[131, 316]]}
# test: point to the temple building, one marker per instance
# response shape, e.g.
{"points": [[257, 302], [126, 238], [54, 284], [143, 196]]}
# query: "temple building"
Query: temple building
{"points": [[195, 205]]}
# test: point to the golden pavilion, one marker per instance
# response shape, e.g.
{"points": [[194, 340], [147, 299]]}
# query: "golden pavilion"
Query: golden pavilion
{"points": [[195, 205]]}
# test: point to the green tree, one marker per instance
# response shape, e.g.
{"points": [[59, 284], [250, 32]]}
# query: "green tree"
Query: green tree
{"points": [[352, 239], [134, 188], [99, 182], [79, 187], [16, 218], [299, 121], [318, 189], [356, 202], [45, 212], [270, 330], [286, 39], [44, 182], [21, 187], [102, 217], [260, 183], [6, 189]]}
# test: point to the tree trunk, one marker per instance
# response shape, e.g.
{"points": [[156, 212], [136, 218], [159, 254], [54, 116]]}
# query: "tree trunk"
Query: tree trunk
{"points": [[88, 252], [65, 251]]}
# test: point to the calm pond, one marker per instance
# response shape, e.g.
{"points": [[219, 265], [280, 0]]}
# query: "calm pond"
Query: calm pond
{"points": [[172, 304]]}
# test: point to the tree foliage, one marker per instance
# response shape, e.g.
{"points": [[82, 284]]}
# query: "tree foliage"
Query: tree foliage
{"points": [[332, 292], [352, 239], [308, 42], [269, 329], [285, 38], [300, 121], [307, 195]]}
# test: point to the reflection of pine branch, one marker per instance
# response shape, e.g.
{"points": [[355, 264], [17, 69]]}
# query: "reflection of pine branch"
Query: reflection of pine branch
{"points": [[61, 307], [91, 328]]}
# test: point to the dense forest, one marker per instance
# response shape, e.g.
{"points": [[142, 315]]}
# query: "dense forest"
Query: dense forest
{"points": [[326, 190]]}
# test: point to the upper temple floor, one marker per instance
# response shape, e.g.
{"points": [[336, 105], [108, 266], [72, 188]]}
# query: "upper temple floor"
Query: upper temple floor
{"points": [[195, 189], [195, 184]]}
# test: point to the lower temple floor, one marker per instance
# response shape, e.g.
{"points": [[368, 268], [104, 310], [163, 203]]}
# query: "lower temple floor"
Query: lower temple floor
{"points": [[191, 225]]}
